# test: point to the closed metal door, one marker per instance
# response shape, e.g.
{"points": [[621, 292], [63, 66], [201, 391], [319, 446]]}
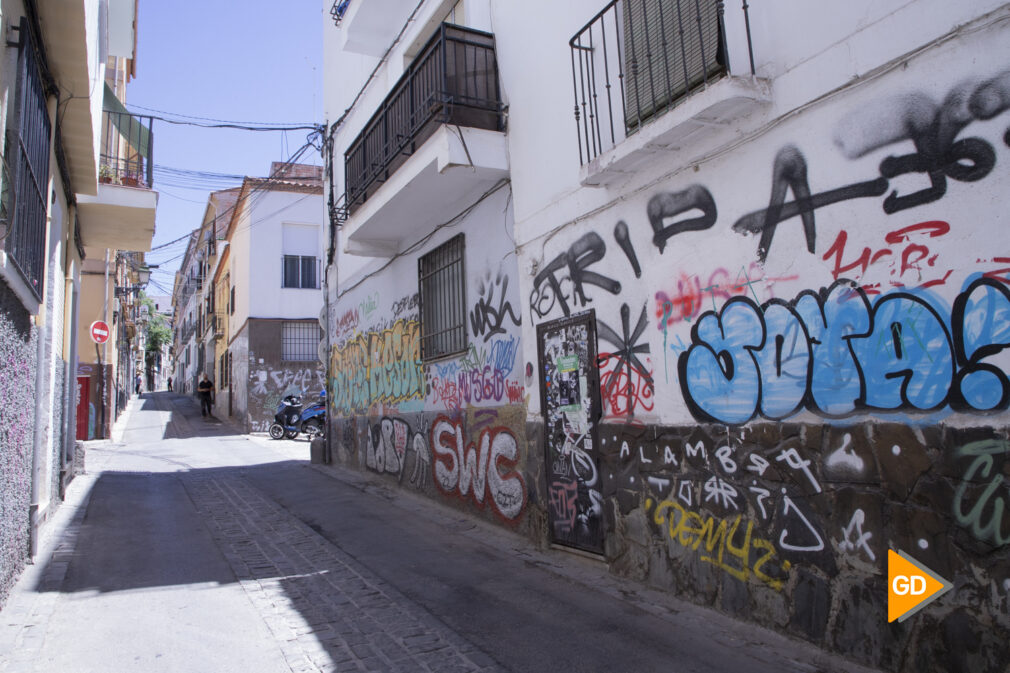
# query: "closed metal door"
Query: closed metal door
{"points": [[569, 390]]}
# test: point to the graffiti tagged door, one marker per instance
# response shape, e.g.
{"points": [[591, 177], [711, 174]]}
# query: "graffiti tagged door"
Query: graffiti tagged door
{"points": [[569, 388]]}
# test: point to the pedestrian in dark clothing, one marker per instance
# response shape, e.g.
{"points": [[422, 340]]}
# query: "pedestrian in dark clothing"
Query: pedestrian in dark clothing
{"points": [[138, 381], [169, 382], [206, 391]]}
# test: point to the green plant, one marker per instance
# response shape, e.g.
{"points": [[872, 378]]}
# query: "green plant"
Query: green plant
{"points": [[157, 331]]}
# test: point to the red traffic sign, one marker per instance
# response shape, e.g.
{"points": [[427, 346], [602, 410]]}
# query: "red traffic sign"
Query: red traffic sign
{"points": [[99, 332]]}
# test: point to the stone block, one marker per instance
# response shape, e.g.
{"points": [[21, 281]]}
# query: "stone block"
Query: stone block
{"points": [[735, 598], [811, 606], [860, 630], [901, 458], [769, 606], [959, 643]]}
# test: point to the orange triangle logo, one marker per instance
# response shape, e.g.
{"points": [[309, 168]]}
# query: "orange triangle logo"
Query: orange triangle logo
{"points": [[911, 586]]}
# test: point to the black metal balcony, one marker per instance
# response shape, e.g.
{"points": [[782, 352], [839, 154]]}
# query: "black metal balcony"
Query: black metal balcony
{"points": [[638, 58], [127, 156], [453, 80]]}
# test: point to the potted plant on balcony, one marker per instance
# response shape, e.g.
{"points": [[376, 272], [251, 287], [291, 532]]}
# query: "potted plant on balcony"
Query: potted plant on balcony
{"points": [[130, 179], [105, 173]]}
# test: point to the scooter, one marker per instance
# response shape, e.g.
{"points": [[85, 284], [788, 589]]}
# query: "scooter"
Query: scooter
{"points": [[291, 418], [313, 418]]}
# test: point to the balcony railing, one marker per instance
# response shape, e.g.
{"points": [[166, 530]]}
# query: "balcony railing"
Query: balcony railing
{"points": [[638, 58], [217, 323], [127, 150], [453, 80]]}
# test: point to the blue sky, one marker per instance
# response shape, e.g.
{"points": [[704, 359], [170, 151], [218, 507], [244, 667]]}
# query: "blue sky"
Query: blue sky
{"points": [[254, 61]]}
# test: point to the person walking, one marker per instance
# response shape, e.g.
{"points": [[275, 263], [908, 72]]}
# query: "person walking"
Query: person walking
{"points": [[169, 383], [138, 382], [206, 391]]}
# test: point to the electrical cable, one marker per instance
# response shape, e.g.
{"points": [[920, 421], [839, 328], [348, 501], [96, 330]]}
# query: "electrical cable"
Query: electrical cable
{"points": [[212, 119]]}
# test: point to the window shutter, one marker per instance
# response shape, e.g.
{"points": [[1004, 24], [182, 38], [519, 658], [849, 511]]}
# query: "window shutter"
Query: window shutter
{"points": [[669, 48]]}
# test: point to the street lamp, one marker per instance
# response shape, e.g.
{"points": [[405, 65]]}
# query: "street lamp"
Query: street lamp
{"points": [[143, 278]]}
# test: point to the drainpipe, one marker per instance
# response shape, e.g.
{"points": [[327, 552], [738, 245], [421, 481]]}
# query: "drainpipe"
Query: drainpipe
{"points": [[102, 378]]}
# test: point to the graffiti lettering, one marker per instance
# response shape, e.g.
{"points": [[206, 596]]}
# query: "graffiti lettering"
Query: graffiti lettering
{"points": [[378, 367], [347, 323], [671, 204], [486, 318], [988, 503], [931, 127], [834, 354], [471, 471], [861, 539], [481, 375], [547, 285], [724, 547], [390, 445], [408, 303]]}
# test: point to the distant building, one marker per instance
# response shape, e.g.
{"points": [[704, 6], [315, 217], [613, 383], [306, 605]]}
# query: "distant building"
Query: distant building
{"points": [[251, 317], [715, 292]]}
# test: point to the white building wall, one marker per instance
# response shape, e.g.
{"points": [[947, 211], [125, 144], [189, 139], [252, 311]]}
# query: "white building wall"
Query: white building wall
{"points": [[868, 121], [265, 230]]}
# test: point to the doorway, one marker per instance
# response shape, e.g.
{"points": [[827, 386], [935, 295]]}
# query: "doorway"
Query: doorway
{"points": [[570, 394]]}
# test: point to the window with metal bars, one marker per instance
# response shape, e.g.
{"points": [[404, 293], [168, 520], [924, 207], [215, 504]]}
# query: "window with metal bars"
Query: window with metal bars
{"points": [[300, 340], [442, 294], [27, 151], [300, 272]]}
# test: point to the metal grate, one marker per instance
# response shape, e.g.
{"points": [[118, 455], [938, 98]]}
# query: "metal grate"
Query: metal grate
{"points": [[442, 280], [300, 340], [338, 10], [28, 145]]}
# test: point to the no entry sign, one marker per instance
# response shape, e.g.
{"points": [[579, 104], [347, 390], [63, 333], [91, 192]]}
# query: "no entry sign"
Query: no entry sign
{"points": [[99, 332]]}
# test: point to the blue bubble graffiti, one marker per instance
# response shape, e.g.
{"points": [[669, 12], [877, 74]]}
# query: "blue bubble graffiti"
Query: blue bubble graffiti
{"points": [[834, 354]]}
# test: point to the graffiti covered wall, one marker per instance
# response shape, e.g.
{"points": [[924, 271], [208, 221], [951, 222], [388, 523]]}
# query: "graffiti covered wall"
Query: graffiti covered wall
{"points": [[18, 349], [270, 378], [804, 358], [454, 428]]}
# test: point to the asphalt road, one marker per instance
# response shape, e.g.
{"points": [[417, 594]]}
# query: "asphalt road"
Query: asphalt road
{"points": [[189, 547]]}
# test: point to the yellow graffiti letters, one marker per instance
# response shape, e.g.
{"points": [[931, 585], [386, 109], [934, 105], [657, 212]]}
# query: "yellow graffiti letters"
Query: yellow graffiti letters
{"points": [[719, 536], [380, 366]]}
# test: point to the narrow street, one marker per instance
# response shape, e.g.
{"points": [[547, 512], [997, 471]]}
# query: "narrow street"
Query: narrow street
{"points": [[189, 547]]}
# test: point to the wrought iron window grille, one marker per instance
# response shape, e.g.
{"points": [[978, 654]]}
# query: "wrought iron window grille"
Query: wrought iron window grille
{"points": [[27, 148], [442, 300], [300, 340]]}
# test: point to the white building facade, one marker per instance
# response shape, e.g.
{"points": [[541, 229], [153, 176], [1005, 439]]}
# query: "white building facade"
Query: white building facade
{"points": [[276, 258], [747, 270]]}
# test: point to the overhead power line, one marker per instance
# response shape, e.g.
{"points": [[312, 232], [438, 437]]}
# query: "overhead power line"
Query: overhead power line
{"points": [[222, 121]]}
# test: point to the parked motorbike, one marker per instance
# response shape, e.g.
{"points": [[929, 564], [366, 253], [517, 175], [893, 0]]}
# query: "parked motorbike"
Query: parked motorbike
{"points": [[291, 418]]}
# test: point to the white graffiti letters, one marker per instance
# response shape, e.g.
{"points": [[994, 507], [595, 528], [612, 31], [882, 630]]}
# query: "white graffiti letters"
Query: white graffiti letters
{"points": [[473, 471]]}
